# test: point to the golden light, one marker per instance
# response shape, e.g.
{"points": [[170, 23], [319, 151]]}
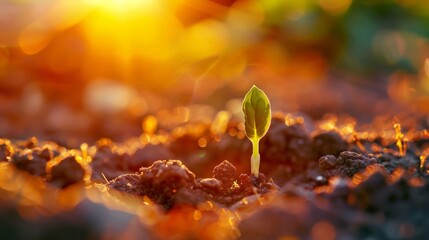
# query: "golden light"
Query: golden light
{"points": [[147, 28], [144, 42], [159, 72], [206, 39], [219, 124], [150, 123], [401, 141], [126, 6], [335, 7], [52, 17], [34, 38], [422, 160]]}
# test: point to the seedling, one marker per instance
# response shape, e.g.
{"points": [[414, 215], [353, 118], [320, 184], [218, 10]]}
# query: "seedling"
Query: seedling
{"points": [[257, 120]]}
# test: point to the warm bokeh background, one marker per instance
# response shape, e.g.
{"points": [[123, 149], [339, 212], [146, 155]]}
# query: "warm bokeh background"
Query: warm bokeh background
{"points": [[74, 71]]}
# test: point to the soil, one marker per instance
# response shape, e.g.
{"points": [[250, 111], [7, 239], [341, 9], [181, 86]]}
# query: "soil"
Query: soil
{"points": [[319, 184]]}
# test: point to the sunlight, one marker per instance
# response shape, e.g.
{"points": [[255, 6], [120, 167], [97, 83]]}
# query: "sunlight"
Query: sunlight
{"points": [[128, 36], [123, 6]]}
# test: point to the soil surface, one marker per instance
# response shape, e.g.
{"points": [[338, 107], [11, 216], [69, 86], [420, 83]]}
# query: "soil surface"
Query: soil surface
{"points": [[314, 184]]}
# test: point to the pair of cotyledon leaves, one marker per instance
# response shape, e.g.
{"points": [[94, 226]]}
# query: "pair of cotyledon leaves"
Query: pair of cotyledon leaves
{"points": [[257, 113]]}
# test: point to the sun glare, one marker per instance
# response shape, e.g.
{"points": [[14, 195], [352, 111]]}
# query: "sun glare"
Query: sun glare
{"points": [[127, 33], [123, 6]]}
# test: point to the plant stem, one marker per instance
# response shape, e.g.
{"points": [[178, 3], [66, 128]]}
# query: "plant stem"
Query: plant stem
{"points": [[255, 160]]}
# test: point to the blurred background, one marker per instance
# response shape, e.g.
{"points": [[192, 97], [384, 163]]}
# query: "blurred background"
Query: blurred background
{"points": [[74, 71]]}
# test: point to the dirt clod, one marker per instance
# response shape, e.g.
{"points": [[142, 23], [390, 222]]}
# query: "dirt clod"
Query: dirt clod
{"points": [[346, 165]]}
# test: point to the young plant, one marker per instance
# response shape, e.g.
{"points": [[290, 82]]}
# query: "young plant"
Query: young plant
{"points": [[257, 120]]}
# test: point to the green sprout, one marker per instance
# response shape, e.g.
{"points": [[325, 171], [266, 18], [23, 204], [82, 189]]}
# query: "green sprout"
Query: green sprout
{"points": [[257, 120]]}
